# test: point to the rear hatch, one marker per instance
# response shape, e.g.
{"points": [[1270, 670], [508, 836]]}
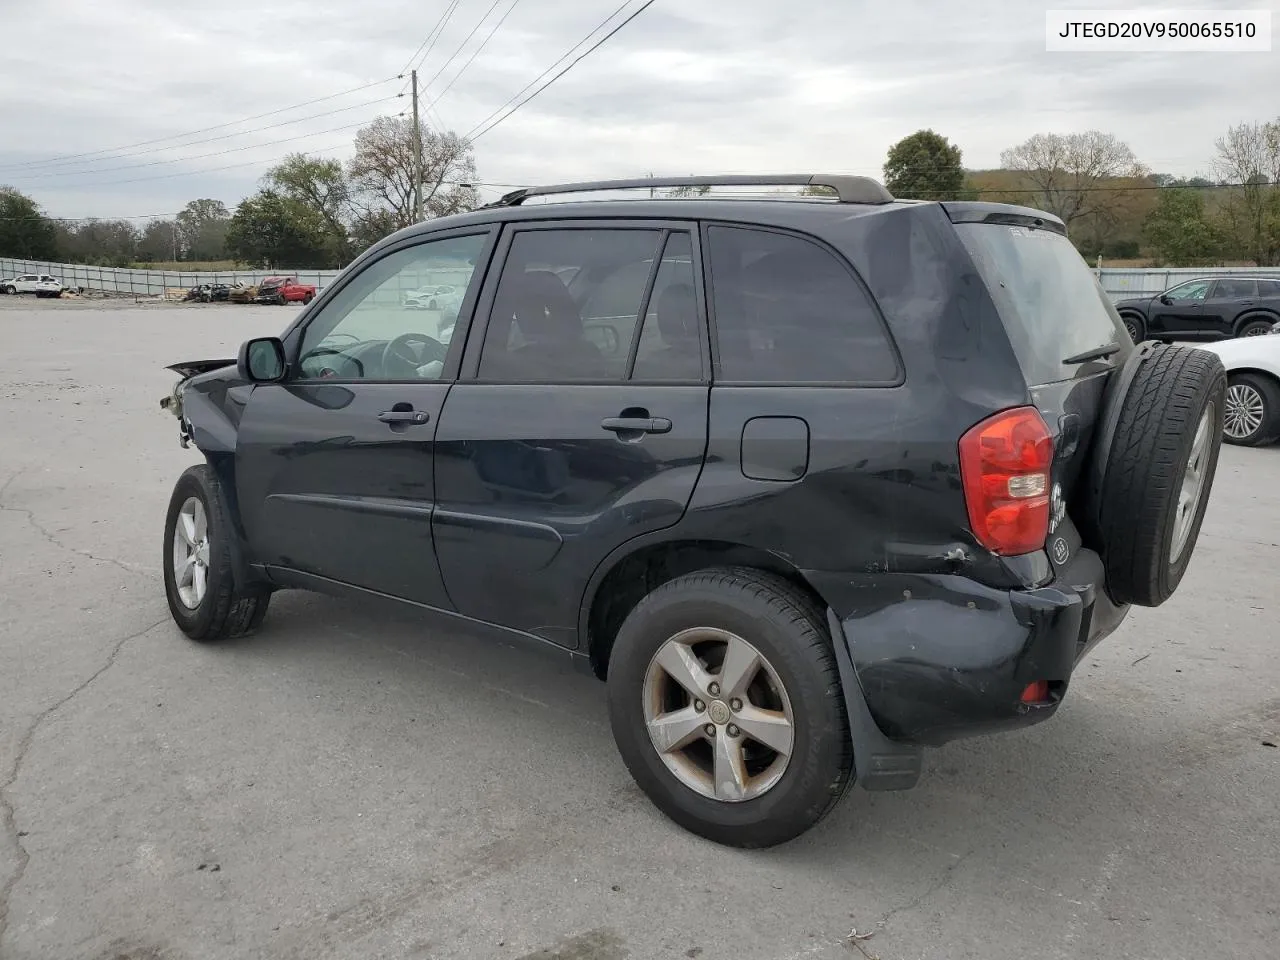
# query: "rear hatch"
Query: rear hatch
{"points": [[1066, 334]]}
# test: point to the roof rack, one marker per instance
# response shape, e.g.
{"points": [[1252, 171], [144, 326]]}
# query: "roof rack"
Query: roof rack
{"points": [[847, 189]]}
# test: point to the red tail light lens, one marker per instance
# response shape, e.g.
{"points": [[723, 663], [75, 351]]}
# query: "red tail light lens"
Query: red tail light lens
{"points": [[1004, 467]]}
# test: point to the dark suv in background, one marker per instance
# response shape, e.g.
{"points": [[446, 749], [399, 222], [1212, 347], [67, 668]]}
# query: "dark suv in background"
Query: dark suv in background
{"points": [[1208, 308], [813, 483]]}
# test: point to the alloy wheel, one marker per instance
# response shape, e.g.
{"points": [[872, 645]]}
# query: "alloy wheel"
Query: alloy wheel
{"points": [[1192, 483], [1245, 412], [191, 553], [718, 714]]}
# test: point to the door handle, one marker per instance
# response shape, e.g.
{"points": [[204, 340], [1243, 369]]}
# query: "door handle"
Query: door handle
{"points": [[636, 424], [1246, 303], [404, 416]]}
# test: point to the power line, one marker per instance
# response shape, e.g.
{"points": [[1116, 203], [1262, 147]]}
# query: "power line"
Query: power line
{"points": [[201, 156], [475, 53], [564, 56], [189, 133], [473, 135], [466, 40], [431, 39], [228, 136]]}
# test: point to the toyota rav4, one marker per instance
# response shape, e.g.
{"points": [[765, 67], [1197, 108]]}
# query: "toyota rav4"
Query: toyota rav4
{"points": [[812, 483]]}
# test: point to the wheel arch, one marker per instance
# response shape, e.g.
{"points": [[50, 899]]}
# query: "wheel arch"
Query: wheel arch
{"points": [[1271, 375], [1253, 315], [638, 567]]}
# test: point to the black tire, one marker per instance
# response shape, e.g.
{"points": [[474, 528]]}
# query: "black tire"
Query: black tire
{"points": [[11, 290], [1255, 328], [308, 298], [1159, 418], [224, 611], [1252, 389], [788, 629], [1135, 327]]}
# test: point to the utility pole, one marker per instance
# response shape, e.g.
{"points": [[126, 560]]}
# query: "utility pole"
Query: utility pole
{"points": [[417, 152]]}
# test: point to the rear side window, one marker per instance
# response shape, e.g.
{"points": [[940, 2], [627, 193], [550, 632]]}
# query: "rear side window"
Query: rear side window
{"points": [[788, 311], [1269, 288], [1235, 288], [1052, 305]]}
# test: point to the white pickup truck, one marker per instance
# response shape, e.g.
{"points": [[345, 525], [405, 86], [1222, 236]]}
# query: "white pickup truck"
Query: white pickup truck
{"points": [[41, 284]]}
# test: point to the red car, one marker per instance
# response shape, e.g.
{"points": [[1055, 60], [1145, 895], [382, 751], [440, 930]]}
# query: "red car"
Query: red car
{"points": [[284, 290]]}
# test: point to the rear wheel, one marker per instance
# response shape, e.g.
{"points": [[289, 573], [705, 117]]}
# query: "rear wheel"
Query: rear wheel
{"points": [[726, 705], [1253, 410], [199, 579], [307, 298], [1161, 469], [1256, 328]]}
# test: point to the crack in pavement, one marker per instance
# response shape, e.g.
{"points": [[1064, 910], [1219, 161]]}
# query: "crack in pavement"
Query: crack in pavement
{"points": [[24, 743], [947, 876], [35, 524]]}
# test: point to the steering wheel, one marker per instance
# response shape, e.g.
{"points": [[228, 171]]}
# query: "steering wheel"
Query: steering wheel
{"points": [[401, 352], [325, 372]]}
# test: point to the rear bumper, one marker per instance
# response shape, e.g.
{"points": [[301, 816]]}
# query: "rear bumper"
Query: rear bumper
{"points": [[940, 657]]}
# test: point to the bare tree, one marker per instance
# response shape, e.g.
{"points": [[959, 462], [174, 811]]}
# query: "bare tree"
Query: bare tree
{"points": [[382, 171], [1068, 170], [1249, 155]]}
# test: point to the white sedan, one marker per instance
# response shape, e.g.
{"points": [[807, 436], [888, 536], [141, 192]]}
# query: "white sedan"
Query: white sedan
{"points": [[41, 284], [1252, 417]]}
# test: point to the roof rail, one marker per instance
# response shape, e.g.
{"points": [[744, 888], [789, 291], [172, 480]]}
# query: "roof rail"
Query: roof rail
{"points": [[847, 189]]}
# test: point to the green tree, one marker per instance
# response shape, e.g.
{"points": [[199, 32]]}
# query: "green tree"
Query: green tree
{"points": [[1249, 156], [25, 232], [273, 231], [924, 166], [107, 243], [1179, 231], [159, 242], [202, 229], [320, 185]]}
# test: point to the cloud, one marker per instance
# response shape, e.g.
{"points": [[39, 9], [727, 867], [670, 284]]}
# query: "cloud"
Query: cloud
{"points": [[717, 86]]}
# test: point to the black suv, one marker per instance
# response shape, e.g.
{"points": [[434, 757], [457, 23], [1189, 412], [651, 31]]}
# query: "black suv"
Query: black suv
{"points": [[1208, 308], [813, 483]]}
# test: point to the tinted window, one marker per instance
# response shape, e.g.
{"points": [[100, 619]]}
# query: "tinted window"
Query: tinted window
{"points": [[1269, 288], [1050, 301], [1235, 288], [1195, 290], [787, 310], [670, 347], [540, 330], [376, 329]]}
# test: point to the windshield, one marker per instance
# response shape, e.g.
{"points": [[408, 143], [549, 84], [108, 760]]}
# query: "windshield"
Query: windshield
{"points": [[1052, 305]]}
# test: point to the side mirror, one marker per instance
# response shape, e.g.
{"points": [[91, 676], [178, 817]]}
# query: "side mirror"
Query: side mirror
{"points": [[1165, 299], [262, 360]]}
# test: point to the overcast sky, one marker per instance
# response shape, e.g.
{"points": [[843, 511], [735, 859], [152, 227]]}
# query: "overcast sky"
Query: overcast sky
{"points": [[690, 86]]}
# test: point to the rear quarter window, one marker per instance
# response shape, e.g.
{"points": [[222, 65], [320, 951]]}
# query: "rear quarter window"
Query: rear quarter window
{"points": [[1050, 302], [787, 310]]}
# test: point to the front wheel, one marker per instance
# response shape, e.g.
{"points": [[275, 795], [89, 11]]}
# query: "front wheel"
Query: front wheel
{"points": [[307, 298], [1253, 410], [199, 579], [726, 705], [1134, 326]]}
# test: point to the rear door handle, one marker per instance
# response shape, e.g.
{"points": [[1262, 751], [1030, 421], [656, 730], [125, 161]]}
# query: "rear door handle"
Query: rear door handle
{"points": [[636, 424], [404, 416]]}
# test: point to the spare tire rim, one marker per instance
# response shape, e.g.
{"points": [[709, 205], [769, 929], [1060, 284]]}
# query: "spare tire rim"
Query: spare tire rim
{"points": [[718, 715], [191, 553], [1193, 484], [1245, 412]]}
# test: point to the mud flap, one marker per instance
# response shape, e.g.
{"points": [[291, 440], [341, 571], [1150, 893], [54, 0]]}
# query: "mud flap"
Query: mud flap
{"points": [[878, 762]]}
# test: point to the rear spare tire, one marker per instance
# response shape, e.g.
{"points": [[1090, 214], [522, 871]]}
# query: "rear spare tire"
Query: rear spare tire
{"points": [[1159, 471]]}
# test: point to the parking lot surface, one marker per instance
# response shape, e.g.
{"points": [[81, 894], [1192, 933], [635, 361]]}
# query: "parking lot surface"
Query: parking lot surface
{"points": [[354, 783]]}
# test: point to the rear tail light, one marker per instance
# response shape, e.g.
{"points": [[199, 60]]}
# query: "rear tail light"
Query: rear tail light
{"points": [[1004, 467]]}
